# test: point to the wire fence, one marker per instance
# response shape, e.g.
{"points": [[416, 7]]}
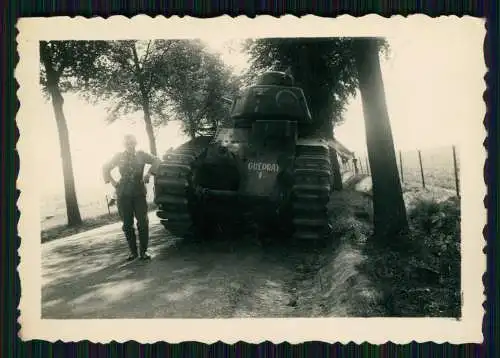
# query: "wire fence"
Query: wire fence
{"points": [[437, 167]]}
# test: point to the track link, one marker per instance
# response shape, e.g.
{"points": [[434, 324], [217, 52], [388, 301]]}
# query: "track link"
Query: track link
{"points": [[311, 193], [173, 190]]}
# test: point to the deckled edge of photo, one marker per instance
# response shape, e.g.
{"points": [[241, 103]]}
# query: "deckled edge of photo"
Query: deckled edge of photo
{"points": [[293, 330]]}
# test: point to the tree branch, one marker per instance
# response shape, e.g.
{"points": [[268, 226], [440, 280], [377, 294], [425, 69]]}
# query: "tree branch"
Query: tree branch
{"points": [[136, 61], [138, 72], [147, 54], [202, 112], [48, 62], [151, 74], [65, 61]]}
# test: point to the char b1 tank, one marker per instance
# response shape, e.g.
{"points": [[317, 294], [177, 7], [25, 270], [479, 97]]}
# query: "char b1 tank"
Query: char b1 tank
{"points": [[263, 167]]}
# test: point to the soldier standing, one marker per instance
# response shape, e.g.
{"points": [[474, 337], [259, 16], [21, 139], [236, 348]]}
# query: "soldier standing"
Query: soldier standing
{"points": [[131, 193]]}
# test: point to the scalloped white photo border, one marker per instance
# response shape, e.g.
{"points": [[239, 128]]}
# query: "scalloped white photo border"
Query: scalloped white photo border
{"points": [[252, 330]]}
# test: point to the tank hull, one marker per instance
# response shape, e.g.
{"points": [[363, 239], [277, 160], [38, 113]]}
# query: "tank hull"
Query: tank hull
{"points": [[275, 191]]}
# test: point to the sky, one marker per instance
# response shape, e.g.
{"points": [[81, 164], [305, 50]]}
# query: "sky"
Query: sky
{"points": [[433, 87]]}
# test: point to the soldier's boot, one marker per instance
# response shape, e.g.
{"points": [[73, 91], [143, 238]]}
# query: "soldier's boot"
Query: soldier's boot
{"points": [[131, 241], [126, 210], [143, 228]]}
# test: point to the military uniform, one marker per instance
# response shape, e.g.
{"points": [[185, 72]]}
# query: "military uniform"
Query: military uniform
{"points": [[131, 195]]}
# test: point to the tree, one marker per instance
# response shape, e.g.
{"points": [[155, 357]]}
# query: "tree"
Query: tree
{"points": [[390, 218], [129, 82], [161, 78], [62, 62], [198, 95]]}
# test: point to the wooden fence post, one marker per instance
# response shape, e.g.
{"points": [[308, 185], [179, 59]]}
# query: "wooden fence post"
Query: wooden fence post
{"points": [[421, 169], [107, 204], [457, 180], [401, 167], [361, 166], [367, 166]]}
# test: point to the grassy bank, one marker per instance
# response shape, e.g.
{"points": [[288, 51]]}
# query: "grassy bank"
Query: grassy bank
{"points": [[330, 282], [359, 277], [61, 231], [423, 277]]}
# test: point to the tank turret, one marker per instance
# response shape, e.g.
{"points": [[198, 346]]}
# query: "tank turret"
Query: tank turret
{"points": [[275, 78], [274, 96]]}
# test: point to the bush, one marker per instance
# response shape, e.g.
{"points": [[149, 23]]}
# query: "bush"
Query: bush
{"points": [[436, 229], [426, 281]]}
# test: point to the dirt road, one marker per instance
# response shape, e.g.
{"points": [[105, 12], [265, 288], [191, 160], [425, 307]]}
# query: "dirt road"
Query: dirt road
{"points": [[85, 276]]}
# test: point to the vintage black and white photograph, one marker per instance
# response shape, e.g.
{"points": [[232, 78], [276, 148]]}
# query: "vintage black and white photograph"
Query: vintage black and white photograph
{"points": [[233, 175]]}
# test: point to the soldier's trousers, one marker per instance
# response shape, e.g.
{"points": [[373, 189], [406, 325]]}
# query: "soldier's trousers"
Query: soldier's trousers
{"points": [[131, 206]]}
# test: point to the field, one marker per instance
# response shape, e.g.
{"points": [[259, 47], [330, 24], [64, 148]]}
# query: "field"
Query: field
{"points": [[437, 164], [92, 204]]}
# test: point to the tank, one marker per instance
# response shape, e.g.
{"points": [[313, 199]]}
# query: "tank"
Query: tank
{"points": [[258, 168]]}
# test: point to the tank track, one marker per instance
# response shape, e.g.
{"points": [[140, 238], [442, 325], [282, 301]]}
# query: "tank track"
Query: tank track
{"points": [[311, 193], [174, 187]]}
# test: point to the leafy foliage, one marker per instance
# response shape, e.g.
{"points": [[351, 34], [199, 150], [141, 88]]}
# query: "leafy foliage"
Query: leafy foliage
{"points": [[71, 61], [131, 77], [424, 280], [198, 95], [174, 79], [436, 226]]}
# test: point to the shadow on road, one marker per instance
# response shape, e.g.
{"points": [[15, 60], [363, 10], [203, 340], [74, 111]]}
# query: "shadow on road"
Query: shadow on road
{"points": [[86, 276]]}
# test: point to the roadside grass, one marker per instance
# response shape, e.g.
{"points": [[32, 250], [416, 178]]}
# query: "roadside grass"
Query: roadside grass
{"points": [[331, 283], [422, 278], [360, 277], [349, 291], [61, 231]]}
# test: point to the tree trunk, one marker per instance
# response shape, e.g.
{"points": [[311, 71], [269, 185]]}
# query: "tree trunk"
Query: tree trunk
{"points": [[149, 127], [144, 91], [326, 126], [325, 117], [72, 209], [390, 218], [321, 111]]}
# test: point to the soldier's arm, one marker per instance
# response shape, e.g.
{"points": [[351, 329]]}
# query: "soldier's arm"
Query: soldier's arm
{"points": [[153, 161], [108, 167]]}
